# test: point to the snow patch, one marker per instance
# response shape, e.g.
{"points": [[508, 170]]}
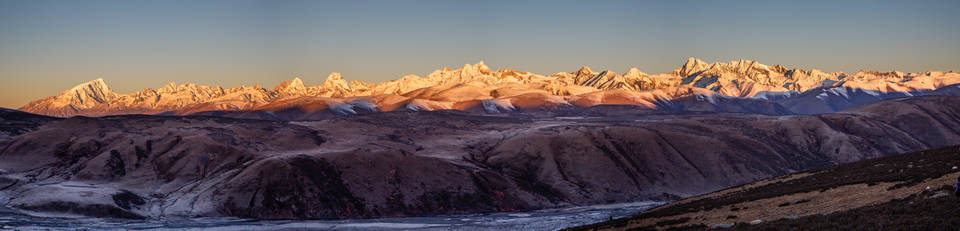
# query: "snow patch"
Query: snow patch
{"points": [[364, 105], [413, 107], [871, 92], [707, 98], [495, 107], [344, 109], [775, 95]]}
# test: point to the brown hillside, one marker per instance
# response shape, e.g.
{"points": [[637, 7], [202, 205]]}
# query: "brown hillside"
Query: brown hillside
{"points": [[912, 191]]}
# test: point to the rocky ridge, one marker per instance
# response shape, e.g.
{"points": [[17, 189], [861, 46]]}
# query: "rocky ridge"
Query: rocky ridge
{"points": [[73, 101]]}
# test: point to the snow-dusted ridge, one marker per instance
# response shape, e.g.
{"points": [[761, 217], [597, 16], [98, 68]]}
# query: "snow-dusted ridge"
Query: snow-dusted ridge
{"points": [[474, 86]]}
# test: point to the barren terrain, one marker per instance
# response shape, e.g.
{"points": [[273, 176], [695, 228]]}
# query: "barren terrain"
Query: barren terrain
{"points": [[912, 191], [410, 163]]}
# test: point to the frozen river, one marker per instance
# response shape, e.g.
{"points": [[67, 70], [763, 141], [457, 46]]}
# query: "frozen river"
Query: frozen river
{"points": [[551, 219]]}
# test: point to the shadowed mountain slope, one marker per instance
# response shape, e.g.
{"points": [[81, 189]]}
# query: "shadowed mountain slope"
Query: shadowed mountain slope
{"points": [[911, 191], [412, 163]]}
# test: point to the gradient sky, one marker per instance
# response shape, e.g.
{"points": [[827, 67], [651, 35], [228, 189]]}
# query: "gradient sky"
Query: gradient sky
{"points": [[47, 47]]}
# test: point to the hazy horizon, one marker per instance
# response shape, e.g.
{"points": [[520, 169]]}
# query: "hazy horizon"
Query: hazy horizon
{"points": [[47, 47]]}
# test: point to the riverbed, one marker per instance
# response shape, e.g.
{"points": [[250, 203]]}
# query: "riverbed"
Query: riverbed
{"points": [[550, 219]]}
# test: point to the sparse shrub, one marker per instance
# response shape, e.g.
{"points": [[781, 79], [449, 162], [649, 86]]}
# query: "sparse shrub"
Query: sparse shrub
{"points": [[699, 226], [673, 222]]}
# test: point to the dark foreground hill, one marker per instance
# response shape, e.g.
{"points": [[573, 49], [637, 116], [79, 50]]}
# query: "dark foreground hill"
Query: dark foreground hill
{"points": [[912, 191], [432, 163]]}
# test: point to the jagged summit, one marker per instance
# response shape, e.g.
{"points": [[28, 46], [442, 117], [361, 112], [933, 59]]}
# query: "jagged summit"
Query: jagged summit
{"points": [[692, 66], [468, 71], [78, 98], [583, 72], [358, 85], [96, 85], [296, 83], [895, 74], [334, 87], [293, 87], [94, 90], [334, 80], [483, 68], [170, 87], [634, 72], [334, 76]]}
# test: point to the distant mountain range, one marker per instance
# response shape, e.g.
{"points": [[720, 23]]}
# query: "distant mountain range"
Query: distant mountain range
{"points": [[738, 86], [429, 146]]}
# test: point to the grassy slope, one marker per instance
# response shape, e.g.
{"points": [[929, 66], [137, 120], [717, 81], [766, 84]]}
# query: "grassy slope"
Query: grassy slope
{"points": [[883, 193]]}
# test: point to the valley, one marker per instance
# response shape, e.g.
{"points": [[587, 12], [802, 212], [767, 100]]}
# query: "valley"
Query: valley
{"points": [[454, 143], [479, 115], [398, 164]]}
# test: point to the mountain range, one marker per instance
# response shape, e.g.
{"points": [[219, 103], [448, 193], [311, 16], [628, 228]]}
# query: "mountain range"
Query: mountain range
{"points": [[452, 142], [738, 86]]}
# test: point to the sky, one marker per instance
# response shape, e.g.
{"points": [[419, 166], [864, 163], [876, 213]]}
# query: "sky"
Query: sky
{"points": [[47, 47]]}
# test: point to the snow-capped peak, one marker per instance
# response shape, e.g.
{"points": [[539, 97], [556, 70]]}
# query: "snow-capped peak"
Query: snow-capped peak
{"points": [[335, 81], [95, 90], [293, 85], [482, 68], [468, 71], [96, 85], [80, 97], [170, 87], [633, 73], [692, 66], [296, 82], [583, 72]]}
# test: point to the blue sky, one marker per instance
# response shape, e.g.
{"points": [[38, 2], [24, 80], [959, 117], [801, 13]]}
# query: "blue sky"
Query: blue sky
{"points": [[49, 46]]}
